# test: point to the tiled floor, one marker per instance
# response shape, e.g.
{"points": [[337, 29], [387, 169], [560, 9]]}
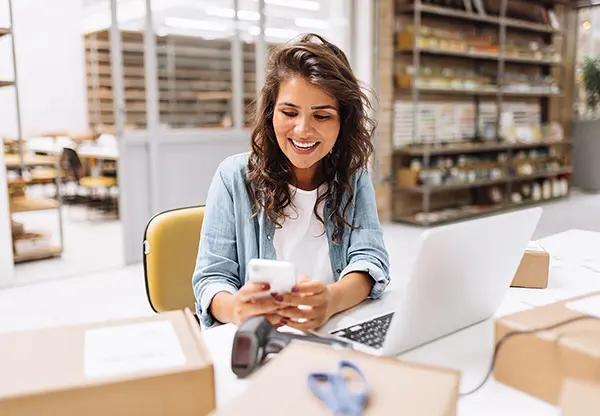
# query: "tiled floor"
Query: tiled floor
{"points": [[113, 292]]}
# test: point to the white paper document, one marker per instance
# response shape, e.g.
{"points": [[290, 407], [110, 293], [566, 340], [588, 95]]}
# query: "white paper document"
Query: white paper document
{"points": [[588, 306], [124, 349], [533, 246]]}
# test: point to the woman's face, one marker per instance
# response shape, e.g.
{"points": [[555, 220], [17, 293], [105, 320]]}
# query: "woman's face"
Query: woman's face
{"points": [[306, 122]]}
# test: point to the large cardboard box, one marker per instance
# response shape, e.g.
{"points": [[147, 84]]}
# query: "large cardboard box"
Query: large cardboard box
{"points": [[150, 366], [580, 398], [396, 387], [538, 363], [534, 268]]}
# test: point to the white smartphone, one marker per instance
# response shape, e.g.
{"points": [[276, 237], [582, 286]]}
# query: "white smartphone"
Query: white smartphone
{"points": [[280, 275]]}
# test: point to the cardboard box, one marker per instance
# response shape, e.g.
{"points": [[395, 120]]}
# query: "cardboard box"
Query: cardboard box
{"points": [[580, 398], [280, 387], [538, 363], [534, 268], [150, 366]]}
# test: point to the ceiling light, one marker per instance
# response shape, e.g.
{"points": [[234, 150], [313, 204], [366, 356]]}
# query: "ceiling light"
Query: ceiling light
{"points": [[296, 4], [230, 13], [195, 24], [280, 33], [586, 25], [312, 23], [274, 32], [220, 11], [248, 15]]}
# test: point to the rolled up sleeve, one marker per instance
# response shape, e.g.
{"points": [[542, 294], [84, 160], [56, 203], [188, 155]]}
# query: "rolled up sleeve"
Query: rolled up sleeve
{"points": [[217, 267], [366, 251]]}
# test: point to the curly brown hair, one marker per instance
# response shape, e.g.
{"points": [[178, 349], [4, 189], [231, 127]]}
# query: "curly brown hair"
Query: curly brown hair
{"points": [[269, 172]]}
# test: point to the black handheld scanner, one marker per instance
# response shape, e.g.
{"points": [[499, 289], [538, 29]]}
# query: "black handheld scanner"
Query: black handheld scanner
{"points": [[256, 338]]}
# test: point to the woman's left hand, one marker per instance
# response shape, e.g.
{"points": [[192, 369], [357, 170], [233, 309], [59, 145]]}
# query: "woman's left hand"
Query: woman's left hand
{"points": [[310, 303]]}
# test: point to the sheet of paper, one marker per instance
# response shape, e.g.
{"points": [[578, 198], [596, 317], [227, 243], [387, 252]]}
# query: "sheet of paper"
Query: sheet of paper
{"points": [[534, 246], [124, 349], [588, 306]]}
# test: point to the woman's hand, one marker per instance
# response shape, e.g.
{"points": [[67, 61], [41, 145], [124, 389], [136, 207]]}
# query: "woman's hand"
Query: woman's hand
{"points": [[247, 303], [310, 302]]}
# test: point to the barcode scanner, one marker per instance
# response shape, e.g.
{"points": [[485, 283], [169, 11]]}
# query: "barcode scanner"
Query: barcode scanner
{"points": [[256, 338]]}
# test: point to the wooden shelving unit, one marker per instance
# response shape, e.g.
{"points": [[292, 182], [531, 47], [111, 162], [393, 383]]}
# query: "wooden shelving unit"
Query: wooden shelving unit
{"points": [[21, 202], [483, 66], [195, 81]]}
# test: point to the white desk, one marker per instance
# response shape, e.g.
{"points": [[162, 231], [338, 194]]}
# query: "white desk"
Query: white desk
{"points": [[98, 152], [574, 270]]}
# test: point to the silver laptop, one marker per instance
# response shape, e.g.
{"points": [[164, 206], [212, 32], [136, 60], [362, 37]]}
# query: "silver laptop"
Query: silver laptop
{"points": [[460, 277]]}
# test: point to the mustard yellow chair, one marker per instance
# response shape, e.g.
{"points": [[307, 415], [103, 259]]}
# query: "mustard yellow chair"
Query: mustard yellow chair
{"points": [[170, 249]]}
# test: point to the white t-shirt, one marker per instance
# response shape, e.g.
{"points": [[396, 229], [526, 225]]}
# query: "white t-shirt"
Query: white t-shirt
{"points": [[302, 239]]}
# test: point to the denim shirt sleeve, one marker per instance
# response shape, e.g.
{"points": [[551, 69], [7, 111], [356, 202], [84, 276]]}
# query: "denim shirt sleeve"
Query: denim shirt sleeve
{"points": [[217, 267], [366, 252]]}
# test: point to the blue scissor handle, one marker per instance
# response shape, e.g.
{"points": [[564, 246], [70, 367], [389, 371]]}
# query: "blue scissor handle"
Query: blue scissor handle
{"points": [[331, 389]]}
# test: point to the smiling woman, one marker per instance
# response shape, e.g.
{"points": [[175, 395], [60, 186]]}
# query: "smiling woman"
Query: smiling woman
{"points": [[303, 195]]}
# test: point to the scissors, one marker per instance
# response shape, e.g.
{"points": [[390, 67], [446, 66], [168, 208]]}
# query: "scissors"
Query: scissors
{"points": [[333, 390]]}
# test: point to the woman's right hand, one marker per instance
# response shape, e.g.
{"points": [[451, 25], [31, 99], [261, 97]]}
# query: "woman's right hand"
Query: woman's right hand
{"points": [[247, 303]]}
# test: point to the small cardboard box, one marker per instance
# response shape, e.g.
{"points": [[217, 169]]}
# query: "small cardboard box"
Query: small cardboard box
{"points": [[280, 387], [149, 366], [534, 268], [538, 363], [580, 398]]}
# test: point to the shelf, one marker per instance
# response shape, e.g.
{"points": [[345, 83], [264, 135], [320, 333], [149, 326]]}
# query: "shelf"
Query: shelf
{"points": [[12, 161], [4, 31], [454, 187], [448, 12], [530, 26], [543, 175], [482, 55], [531, 94], [38, 254], [476, 211], [483, 183], [472, 147], [6, 84], [453, 91], [474, 17], [28, 204]]}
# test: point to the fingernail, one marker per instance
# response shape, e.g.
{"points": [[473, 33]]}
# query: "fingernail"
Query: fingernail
{"points": [[266, 286], [295, 289], [278, 298]]}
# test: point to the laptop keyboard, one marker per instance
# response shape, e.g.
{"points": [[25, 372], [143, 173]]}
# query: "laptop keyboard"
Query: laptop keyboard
{"points": [[371, 333]]}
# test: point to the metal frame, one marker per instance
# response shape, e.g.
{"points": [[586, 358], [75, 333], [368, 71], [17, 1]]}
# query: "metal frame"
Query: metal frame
{"points": [[16, 83], [237, 71]]}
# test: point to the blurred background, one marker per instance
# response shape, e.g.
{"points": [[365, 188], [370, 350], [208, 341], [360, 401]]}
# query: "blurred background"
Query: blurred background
{"points": [[114, 110]]}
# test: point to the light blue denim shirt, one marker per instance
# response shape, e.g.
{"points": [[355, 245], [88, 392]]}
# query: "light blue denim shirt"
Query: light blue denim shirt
{"points": [[231, 237]]}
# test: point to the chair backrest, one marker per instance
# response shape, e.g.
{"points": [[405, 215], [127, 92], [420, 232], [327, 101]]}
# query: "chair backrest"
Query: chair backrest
{"points": [[71, 163], [171, 244]]}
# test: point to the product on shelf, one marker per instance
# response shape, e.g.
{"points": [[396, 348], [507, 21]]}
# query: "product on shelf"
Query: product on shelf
{"points": [[438, 77], [547, 189], [524, 83], [516, 198], [537, 192]]}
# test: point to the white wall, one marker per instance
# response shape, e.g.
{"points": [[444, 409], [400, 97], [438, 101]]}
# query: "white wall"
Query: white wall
{"points": [[6, 255], [50, 67]]}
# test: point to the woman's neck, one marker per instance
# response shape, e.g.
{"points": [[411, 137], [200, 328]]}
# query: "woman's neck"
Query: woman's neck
{"points": [[307, 179]]}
